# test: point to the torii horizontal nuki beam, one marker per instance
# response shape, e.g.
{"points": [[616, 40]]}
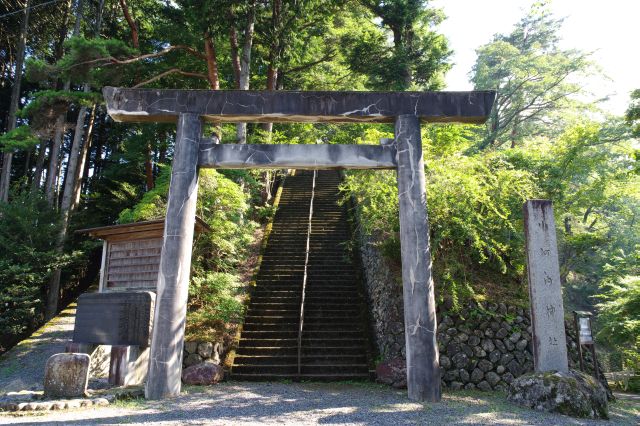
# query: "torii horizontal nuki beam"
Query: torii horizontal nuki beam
{"points": [[231, 106], [232, 156]]}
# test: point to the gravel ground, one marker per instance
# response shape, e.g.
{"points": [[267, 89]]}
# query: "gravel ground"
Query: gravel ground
{"points": [[22, 367], [315, 403], [236, 403]]}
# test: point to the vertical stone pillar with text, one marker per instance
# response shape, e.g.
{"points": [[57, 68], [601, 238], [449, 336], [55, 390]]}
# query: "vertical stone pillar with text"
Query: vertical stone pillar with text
{"points": [[165, 358], [423, 366], [545, 293]]}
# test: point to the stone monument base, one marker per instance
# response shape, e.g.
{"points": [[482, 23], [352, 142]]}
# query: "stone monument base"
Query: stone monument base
{"points": [[574, 394]]}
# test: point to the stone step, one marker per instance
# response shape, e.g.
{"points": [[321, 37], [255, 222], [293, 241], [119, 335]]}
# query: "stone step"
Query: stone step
{"points": [[259, 377]]}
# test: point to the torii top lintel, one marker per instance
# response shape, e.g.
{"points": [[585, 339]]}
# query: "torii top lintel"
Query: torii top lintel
{"points": [[155, 105]]}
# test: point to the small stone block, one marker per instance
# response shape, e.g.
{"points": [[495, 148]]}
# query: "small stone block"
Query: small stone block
{"points": [[66, 375]]}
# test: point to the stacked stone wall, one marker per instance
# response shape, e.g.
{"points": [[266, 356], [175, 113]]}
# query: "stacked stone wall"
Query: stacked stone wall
{"points": [[483, 346]]}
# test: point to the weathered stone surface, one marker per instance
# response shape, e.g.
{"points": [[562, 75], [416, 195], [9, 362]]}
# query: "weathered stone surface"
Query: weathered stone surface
{"points": [[206, 373], [488, 345], [574, 394], [485, 365], [193, 359], [477, 375], [455, 386], [445, 362], [522, 345], [205, 349], [191, 347], [66, 375], [492, 378], [502, 333], [545, 294], [451, 375], [474, 341], [478, 352], [460, 360], [392, 372], [301, 157], [484, 386], [139, 105]]}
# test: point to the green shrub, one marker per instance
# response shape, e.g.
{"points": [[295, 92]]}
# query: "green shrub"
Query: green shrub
{"points": [[474, 206], [224, 206], [213, 304]]}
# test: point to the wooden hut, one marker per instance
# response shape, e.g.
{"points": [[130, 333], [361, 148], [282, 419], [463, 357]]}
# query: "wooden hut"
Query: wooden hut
{"points": [[131, 254]]}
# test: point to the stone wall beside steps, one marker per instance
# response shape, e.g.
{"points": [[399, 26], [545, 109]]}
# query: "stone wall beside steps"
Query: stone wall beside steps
{"points": [[483, 346]]}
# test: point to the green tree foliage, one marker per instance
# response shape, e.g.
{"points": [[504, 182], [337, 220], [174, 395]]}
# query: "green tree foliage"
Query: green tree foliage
{"points": [[224, 206], [28, 229], [417, 56], [633, 113], [619, 318], [19, 138], [474, 205], [534, 79]]}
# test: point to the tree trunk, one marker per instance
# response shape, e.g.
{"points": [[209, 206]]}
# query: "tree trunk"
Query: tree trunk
{"points": [[54, 161], [274, 52], [68, 194], [5, 176], [235, 56], [212, 62], [52, 172], [37, 176], [272, 78], [148, 168], [132, 24], [245, 65], [69, 191], [82, 161]]}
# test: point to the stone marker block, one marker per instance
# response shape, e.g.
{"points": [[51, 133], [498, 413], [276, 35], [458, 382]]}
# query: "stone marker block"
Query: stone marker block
{"points": [[66, 375], [547, 311], [122, 318]]}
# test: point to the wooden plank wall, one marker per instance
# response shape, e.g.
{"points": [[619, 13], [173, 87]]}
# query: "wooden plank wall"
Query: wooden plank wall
{"points": [[133, 265]]}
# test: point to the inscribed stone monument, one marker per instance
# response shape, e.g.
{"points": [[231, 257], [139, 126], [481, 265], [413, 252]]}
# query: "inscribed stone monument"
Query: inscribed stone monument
{"points": [[547, 312]]}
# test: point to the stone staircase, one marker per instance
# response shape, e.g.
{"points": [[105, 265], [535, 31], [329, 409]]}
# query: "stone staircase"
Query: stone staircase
{"points": [[334, 345]]}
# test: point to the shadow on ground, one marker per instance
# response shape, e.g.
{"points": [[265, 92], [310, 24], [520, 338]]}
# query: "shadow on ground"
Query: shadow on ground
{"points": [[315, 403]]}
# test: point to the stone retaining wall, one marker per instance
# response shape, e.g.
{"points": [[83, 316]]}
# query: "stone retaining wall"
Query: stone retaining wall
{"points": [[198, 352], [484, 346]]}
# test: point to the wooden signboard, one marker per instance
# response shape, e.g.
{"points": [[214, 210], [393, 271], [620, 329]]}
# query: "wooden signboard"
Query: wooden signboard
{"points": [[122, 318]]}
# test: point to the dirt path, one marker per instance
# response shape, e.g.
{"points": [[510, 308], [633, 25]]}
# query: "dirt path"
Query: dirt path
{"points": [[22, 367]]}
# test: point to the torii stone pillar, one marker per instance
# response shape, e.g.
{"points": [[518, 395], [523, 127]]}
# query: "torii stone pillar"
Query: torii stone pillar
{"points": [[423, 366], [165, 362]]}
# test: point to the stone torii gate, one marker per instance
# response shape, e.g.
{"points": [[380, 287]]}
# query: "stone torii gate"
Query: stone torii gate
{"points": [[189, 108]]}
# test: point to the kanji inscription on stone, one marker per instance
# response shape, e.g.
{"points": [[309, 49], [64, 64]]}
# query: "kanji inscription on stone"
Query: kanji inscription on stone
{"points": [[547, 312]]}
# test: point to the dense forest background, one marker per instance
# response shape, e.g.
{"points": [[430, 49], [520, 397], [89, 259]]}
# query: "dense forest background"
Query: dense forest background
{"points": [[66, 165]]}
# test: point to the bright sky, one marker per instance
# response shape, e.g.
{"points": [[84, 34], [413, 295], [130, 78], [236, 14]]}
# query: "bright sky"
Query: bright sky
{"points": [[608, 28]]}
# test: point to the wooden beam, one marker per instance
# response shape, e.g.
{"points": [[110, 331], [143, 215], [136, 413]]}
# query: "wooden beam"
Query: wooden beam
{"points": [[152, 105], [232, 156]]}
